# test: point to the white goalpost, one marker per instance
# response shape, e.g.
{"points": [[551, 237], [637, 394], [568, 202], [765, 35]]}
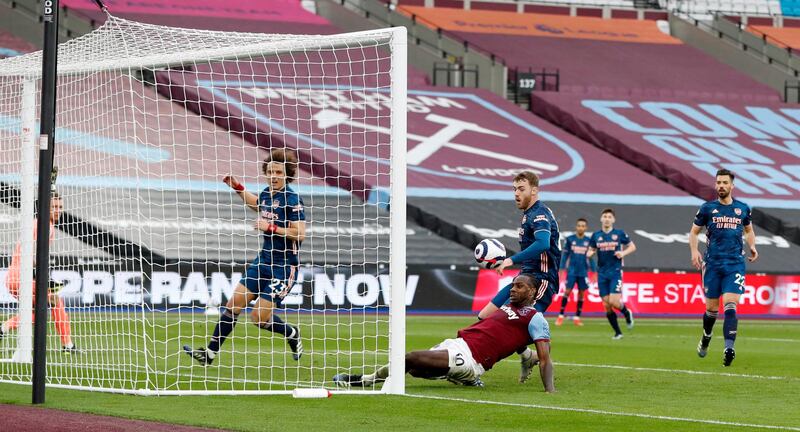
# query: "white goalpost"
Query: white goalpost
{"points": [[150, 243]]}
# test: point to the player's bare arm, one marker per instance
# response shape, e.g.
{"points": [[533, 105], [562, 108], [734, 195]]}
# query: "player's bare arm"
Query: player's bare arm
{"points": [[546, 370], [750, 238], [250, 199], [697, 259]]}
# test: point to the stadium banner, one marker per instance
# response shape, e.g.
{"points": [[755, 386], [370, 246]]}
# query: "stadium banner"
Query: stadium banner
{"points": [[273, 10], [200, 284], [429, 289], [544, 25], [668, 293]]}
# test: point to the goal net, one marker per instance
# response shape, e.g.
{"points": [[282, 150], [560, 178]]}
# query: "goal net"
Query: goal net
{"points": [[150, 244]]}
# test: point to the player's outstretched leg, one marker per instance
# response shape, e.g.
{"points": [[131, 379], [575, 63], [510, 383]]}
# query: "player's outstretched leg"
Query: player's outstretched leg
{"points": [[288, 331], [205, 356], [627, 314], [729, 329], [709, 318], [201, 355], [58, 314], [348, 380]]}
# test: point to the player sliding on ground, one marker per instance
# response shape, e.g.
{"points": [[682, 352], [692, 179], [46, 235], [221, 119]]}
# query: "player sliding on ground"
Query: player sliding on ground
{"points": [[611, 246], [723, 269], [574, 260], [58, 311], [478, 347], [272, 273]]}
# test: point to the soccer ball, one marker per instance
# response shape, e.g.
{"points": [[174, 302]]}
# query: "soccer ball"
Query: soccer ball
{"points": [[490, 253]]}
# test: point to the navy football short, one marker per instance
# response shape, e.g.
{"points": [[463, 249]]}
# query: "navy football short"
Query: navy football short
{"points": [[269, 281], [724, 278], [583, 283], [609, 284]]}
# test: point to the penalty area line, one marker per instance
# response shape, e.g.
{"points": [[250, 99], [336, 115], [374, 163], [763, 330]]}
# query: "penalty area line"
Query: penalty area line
{"points": [[603, 412]]}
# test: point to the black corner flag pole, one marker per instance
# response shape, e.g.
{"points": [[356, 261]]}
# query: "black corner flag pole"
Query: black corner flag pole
{"points": [[46, 144]]}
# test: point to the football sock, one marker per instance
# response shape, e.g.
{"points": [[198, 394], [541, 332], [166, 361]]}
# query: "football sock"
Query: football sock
{"points": [[276, 325], [563, 304], [579, 308], [61, 320], [227, 321], [612, 319], [625, 312], [730, 325], [380, 374], [709, 318]]}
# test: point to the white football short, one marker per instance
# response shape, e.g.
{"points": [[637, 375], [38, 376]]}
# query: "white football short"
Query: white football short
{"points": [[463, 368]]}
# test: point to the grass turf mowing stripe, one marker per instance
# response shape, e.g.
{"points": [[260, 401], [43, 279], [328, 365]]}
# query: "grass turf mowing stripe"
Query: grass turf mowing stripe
{"points": [[602, 412]]}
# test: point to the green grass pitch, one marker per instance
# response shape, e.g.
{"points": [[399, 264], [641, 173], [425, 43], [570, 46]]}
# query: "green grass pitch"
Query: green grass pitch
{"points": [[651, 380]]}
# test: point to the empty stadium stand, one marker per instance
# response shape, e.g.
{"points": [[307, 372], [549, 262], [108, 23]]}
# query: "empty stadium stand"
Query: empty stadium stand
{"points": [[11, 46], [598, 56], [744, 7]]}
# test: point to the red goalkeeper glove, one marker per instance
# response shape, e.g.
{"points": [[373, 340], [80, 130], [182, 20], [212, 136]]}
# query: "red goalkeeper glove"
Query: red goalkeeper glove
{"points": [[233, 183]]}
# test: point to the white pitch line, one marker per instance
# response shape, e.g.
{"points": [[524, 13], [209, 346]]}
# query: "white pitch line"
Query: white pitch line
{"points": [[682, 323], [682, 371], [602, 412], [666, 336]]}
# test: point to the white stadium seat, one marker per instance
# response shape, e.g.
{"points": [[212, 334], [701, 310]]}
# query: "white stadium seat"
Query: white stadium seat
{"points": [[748, 7]]}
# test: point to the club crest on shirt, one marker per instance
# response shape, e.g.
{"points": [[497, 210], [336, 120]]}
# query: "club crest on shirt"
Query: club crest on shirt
{"points": [[525, 310], [276, 203], [614, 236], [737, 211]]}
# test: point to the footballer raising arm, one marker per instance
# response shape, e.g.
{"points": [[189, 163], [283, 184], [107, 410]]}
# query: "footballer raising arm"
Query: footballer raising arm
{"points": [[270, 276]]}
